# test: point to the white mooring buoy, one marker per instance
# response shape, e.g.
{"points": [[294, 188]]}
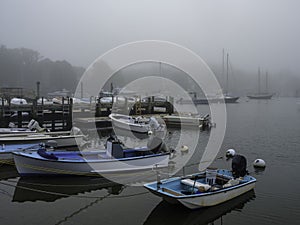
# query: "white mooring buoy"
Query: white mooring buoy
{"points": [[184, 148], [259, 163], [230, 153]]}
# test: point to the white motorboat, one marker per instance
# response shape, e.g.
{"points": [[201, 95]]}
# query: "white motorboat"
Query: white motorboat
{"points": [[62, 139], [32, 127], [139, 124]]}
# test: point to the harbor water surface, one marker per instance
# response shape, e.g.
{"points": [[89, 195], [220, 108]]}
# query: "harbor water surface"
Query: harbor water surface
{"points": [[267, 129]]}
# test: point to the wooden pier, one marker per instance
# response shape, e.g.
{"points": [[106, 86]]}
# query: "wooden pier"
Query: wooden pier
{"points": [[60, 116]]}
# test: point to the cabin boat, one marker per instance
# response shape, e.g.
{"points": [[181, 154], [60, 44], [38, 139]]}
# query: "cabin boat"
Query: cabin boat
{"points": [[113, 159], [195, 191]]}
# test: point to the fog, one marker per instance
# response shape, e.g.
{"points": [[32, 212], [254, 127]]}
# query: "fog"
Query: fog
{"points": [[255, 33]]}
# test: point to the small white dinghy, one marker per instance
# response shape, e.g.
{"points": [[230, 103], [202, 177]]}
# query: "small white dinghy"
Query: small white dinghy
{"points": [[207, 188], [63, 139], [138, 124], [92, 162], [32, 127]]}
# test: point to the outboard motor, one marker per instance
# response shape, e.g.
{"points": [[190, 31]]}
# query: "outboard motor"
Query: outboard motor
{"points": [[239, 166], [154, 123], [34, 125], [75, 131]]}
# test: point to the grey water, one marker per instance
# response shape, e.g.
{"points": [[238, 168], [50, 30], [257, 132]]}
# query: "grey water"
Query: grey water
{"points": [[267, 129]]}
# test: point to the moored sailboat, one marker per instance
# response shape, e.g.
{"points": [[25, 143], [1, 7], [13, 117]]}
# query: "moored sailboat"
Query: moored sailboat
{"points": [[259, 94]]}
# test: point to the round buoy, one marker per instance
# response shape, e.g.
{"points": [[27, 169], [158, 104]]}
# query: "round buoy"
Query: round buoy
{"points": [[230, 153], [184, 148], [150, 132], [259, 163]]}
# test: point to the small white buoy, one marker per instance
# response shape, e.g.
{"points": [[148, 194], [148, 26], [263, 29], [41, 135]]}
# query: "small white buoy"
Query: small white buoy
{"points": [[259, 163], [150, 132], [184, 148], [230, 153]]}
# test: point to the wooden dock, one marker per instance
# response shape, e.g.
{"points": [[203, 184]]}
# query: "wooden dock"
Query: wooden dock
{"points": [[60, 116]]}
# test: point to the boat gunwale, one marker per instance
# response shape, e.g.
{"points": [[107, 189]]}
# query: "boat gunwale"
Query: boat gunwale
{"points": [[162, 193], [23, 154]]}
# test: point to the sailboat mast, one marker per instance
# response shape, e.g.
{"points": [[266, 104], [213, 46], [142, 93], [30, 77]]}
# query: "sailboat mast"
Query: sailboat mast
{"points": [[227, 65], [258, 80], [267, 82], [223, 65]]}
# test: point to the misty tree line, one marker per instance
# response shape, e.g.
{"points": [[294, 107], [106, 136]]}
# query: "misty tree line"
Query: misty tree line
{"points": [[22, 67]]}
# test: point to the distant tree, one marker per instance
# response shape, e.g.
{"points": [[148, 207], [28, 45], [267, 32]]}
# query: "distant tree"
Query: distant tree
{"points": [[22, 67]]}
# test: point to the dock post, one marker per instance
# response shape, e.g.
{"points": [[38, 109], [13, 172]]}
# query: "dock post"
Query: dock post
{"points": [[34, 109], [2, 112], [69, 124], [152, 104], [53, 120], [171, 105], [149, 105], [98, 108], [20, 119]]}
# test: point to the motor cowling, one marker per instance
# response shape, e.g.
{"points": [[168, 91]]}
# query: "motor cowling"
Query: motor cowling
{"points": [[239, 166]]}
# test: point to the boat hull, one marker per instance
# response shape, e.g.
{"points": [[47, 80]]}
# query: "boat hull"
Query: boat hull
{"points": [[268, 96], [125, 125], [30, 166], [62, 141], [211, 200], [204, 101], [16, 131], [6, 151], [173, 191]]}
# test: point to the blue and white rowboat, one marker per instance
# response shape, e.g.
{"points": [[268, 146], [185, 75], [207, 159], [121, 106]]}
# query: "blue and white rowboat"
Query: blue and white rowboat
{"points": [[194, 192]]}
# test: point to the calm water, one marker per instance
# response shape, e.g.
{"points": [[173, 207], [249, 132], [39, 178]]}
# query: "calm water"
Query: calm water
{"points": [[257, 129]]}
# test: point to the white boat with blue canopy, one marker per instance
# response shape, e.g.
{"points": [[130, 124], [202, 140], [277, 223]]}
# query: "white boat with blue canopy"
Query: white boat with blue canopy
{"points": [[114, 158], [204, 189]]}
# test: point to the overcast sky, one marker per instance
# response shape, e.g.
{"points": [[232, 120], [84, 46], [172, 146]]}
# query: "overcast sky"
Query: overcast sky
{"points": [[255, 32]]}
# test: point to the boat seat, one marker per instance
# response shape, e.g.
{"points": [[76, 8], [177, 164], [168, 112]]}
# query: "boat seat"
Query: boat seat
{"points": [[200, 186], [231, 182], [172, 192]]}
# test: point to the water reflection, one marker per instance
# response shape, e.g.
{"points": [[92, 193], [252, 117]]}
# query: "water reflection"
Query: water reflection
{"points": [[52, 188], [8, 171], [259, 171], [165, 213]]}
